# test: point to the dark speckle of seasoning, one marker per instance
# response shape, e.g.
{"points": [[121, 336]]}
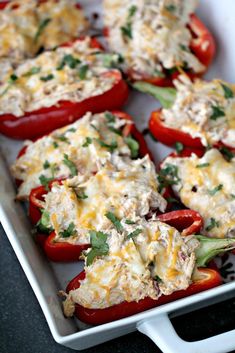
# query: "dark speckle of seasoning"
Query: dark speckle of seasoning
{"points": [[95, 16], [194, 189]]}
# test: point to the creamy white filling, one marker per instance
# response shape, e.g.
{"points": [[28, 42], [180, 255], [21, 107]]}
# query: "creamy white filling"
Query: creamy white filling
{"points": [[56, 79], [80, 141], [203, 109], [207, 185], [155, 262], [151, 34]]}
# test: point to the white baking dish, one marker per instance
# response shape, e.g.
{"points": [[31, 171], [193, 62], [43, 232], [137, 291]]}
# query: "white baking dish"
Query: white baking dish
{"points": [[47, 278]]}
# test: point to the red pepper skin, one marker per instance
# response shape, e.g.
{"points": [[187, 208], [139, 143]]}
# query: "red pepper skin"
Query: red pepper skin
{"points": [[204, 52], [186, 221], [62, 251], [170, 136], [124, 309], [44, 120]]}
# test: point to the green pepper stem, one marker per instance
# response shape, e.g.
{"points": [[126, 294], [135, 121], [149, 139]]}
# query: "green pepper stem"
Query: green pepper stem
{"points": [[165, 95], [211, 247]]}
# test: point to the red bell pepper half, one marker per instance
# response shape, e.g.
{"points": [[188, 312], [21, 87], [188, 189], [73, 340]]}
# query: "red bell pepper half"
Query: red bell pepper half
{"points": [[63, 251], [184, 221], [45, 120], [170, 136], [209, 279], [202, 45]]}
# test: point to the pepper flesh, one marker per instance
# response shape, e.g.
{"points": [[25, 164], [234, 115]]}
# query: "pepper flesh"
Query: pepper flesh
{"points": [[170, 136], [44, 120]]}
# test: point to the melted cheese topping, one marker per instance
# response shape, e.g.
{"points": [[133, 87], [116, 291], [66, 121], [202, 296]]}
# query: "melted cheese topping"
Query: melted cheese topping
{"points": [[151, 35], [157, 261], [204, 109], [80, 141], [66, 74], [128, 189], [21, 21], [207, 185]]}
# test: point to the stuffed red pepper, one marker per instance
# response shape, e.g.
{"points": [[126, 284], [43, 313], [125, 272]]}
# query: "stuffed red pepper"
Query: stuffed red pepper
{"points": [[122, 188], [198, 114], [29, 26], [58, 87], [205, 184], [81, 148], [158, 39], [146, 264]]}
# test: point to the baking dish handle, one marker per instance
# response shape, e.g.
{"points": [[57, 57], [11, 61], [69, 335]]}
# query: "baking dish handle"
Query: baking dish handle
{"points": [[163, 334]]}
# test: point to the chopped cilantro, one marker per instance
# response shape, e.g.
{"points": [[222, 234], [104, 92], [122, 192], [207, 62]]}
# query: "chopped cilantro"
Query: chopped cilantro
{"points": [[47, 78], [46, 164], [33, 71], [70, 61], [69, 231], [55, 144], [112, 146], [116, 222], [228, 92], [184, 48], [87, 142], [72, 129], [134, 233], [129, 221], [215, 190], [63, 138], [217, 112], [157, 278], [81, 194], [202, 165], [213, 224], [41, 28], [43, 225], [13, 78], [82, 72], [99, 246], [233, 196], [179, 147], [133, 145], [111, 118], [227, 153], [171, 8], [70, 165], [127, 29], [168, 176], [45, 181]]}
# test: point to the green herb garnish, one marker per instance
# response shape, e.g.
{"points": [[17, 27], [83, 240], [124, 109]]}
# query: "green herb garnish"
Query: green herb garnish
{"points": [[217, 112], [127, 29], [116, 222], [227, 153], [112, 146], [179, 147], [168, 176], [133, 145], [202, 165], [111, 118], [171, 8], [69, 231], [33, 71], [72, 167], [55, 144], [13, 78], [228, 93], [134, 233], [70, 61], [213, 224], [99, 246], [41, 28], [129, 221], [45, 181], [43, 225], [46, 164], [81, 194], [63, 138], [82, 72], [87, 142], [215, 190], [47, 78]]}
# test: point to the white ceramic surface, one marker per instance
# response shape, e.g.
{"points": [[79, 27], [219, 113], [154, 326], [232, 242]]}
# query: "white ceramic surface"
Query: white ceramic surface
{"points": [[47, 278]]}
